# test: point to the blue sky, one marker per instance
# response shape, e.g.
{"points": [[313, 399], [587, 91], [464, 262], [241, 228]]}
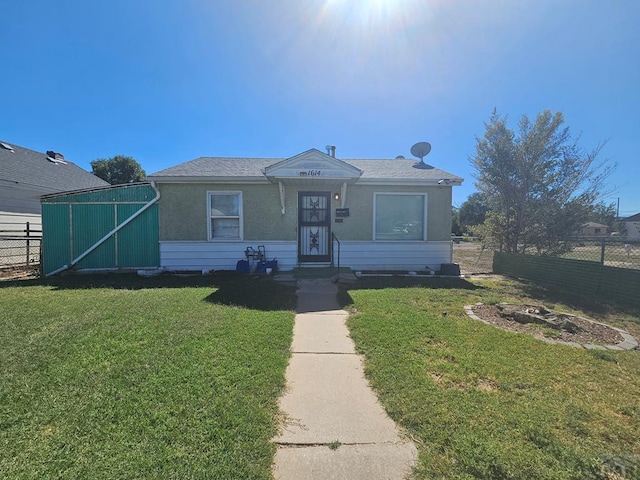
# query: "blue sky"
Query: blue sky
{"points": [[166, 81]]}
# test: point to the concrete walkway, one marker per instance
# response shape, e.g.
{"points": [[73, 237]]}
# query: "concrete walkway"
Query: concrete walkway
{"points": [[328, 401]]}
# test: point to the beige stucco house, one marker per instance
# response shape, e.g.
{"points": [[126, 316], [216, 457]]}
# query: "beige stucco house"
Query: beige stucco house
{"points": [[386, 214], [593, 229]]}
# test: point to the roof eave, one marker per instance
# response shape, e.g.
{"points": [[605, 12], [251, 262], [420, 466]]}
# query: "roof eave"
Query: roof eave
{"points": [[206, 179], [410, 181]]}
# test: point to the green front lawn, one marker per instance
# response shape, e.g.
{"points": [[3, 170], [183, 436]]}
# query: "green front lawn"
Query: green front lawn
{"points": [[486, 404], [120, 377]]}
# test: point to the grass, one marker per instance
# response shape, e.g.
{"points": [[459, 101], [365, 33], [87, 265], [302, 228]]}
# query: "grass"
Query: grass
{"points": [[487, 404], [120, 377]]}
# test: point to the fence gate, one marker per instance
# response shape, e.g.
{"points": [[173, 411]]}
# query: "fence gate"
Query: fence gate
{"points": [[90, 230]]}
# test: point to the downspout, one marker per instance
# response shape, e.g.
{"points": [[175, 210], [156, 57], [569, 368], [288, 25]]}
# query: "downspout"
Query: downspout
{"points": [[111, 233], [282, 204], [343, 195]]}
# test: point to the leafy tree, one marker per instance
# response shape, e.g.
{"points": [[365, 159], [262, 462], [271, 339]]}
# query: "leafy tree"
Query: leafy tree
{"points": [[118, 170], [539, 184], [607, 214], [473, 211], [603, 213], [456, 228]]}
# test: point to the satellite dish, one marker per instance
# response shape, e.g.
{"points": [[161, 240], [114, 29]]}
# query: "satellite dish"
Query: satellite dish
{"points": [[421, 150]]}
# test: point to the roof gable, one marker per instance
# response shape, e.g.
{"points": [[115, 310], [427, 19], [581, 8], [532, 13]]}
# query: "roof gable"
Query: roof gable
{"points": [[633, 218], [312, 163]]}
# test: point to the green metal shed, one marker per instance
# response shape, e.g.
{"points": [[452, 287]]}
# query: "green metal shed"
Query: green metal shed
{"points": [[114, 227]]}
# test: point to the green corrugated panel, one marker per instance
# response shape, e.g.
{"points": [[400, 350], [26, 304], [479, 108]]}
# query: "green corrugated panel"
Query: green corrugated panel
{"points": [[118, 193], [90, 224], [138, 244], [55, 233], [76, 222]]}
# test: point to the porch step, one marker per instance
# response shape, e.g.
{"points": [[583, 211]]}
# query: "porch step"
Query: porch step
{"points": [[323, 272]]}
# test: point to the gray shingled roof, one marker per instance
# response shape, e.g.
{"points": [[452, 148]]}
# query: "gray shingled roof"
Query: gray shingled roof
{"points": [[218, 167], [227, 167], [24, 166], [594, 225]]}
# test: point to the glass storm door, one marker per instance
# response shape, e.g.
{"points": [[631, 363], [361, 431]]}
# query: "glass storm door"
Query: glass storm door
{"points": [[314, 227]]}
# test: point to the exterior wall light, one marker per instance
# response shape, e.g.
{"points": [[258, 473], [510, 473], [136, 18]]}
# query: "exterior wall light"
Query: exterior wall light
{"points": [[336, 196]]}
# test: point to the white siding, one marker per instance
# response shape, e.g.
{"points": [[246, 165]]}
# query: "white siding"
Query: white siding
{"points": [[408, 256], [222, 256], [357, 255], [633, 230], [14, 224]]}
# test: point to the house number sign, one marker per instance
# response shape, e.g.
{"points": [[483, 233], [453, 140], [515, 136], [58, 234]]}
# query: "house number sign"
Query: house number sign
{"points": [[311, 173]]}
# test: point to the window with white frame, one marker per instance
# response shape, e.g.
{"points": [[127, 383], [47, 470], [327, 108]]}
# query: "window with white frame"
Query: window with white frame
{"points": [[225, 215], [399, 216]]}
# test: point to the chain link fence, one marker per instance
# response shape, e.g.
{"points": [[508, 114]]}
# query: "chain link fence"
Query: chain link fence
{"points": [[20, 247], [608, 251], [617, 252]]}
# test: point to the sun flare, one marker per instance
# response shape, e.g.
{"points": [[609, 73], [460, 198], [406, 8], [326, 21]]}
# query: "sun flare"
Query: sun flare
{"points": [[372, 12]]}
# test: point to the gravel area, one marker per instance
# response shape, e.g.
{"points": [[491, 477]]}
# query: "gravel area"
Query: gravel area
{"points": [[589, 332]]}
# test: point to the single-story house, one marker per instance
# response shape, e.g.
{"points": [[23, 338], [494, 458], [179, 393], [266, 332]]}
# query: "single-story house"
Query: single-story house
{"points": [[26, 175], [312, 209], [593, 229], [633, 226]]}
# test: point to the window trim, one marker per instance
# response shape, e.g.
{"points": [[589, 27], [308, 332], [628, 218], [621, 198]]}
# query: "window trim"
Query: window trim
{"points": [[240, 216], [424, 196]]}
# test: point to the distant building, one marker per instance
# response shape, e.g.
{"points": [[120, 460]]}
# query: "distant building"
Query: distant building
{"points": [[592, 229], [633, 226]]}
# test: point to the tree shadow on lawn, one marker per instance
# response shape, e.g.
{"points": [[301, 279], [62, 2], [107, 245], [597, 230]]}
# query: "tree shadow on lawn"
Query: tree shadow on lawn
{"points": [[595, 307], [256, 292], [379, 283]]}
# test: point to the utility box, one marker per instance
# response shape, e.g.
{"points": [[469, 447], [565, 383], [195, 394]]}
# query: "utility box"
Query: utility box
{"points": [[450, 269]]}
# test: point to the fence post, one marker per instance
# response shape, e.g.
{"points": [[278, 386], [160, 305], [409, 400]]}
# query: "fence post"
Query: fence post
{"points": [[28, 231], [602, 252]]}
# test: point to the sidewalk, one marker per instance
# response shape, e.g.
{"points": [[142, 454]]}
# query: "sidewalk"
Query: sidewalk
{"points": [[328, 402]]}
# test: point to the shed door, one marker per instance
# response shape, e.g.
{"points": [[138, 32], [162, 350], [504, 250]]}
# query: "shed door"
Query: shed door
{"points": [[314, 227]]}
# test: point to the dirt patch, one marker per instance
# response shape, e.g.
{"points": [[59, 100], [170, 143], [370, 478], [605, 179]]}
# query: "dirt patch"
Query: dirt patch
{"points": [[587, 332], [472, 258], [19, 273]]}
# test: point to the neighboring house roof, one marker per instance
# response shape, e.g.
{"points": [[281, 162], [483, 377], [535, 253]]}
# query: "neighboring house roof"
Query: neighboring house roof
{"points": [[594, 225], [632, 218], [51, 173], [398, 170]]}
